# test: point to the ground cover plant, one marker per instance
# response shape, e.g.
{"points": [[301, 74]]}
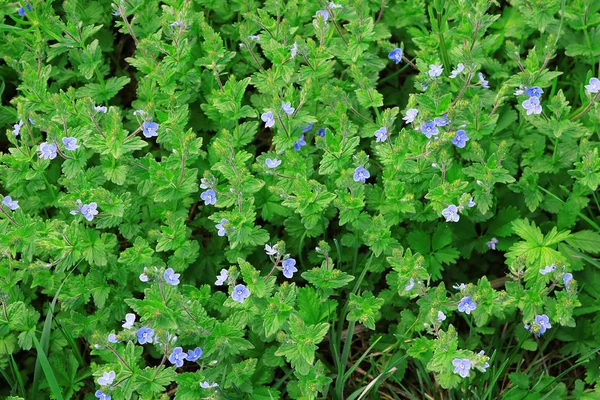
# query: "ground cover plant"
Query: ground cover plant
{"points": [[293, 199]]}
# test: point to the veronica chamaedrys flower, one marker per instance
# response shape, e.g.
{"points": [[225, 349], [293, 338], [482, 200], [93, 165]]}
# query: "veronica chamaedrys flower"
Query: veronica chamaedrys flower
{"points": [[144, 275], [429, 129], [171, 277], [195, 354], [47, 151], [10, 203], [435, 70], [396, 55], [289, 267], [361, 174], [112, 338], [381, 134], [209, 197], [294, 50], [254, 37], [460, 139], [299, 143], [207, 385], [70, 143], [307, 127], [534, 91], [145, 335], [271, 251], [471, 203], [273, 163], [129, 321], [410, 116], [150, 129], [466, 305], [460, 286], [177, 356], [532, 105], [594, 86], [287, 108], [485, 365], [411, 284], [222, 277], [540, 325], [548, 269], [321, 132], [268, 119], [459, 68], [107, 378], [22, 11], [17, 128], [322, 13], [441, 317], [240, 293], [221, 227], [484, 83], [139, 112], [101, 395], [568, 277], [441, 121], [520, 90], [451, 213], [492, 243], [101, 109], [462, 366], [89, 211], [177, 24], [332, 5]]}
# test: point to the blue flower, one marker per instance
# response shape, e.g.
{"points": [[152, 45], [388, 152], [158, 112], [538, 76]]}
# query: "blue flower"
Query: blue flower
{"points": [[101, 109], [396, 55], [177, 357], [429, 129], [568, 277], [460, 139], [207, 385], [532, 105], [462, 366], [254, 37], [21, 11], [209, 197], [221, 227], [268, 119], [222, 277], [112, 338], [594, 86], [548, 269], [195, 354], [435, 70], [332, 5], [294, 50], [273, 163], [322, 13], [10, 203], [271, 251], [145, 335], [144, 276], [484, 83], [101, 396], [381, 134], [17, 128], [307, 127], [361, 174], [485, 365], [441, 317], [411, 114], [441, 121], [451, 213], [139, 112], [70, 143], [459, 68], [540, 325], [150, 129], [129, 321], [289, 267], [458, 286], [47, 151], [492, 243], [31, 121], [466, 305], [240, 293], [89, 211], [287, 108], [411, 284], [321, 132], [171, 277], [534, 91], [471, 203], [299, 143], [107, 378]]}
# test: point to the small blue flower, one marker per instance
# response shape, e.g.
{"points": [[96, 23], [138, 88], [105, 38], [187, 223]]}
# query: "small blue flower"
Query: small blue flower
{"points": [[460, 139], [381, 134], [178, 24], [532, 105], [361, 174], [289, 267], [458, 286], [21, 11], [10, 203], [254, 37], [534, 91], [145, 335], [299, 143], [139, 112], [484, 84], [222, 277], [112, 338], [307, 127], [435, 70], [466, 305], [540, 325], [271, 251], [441, 317], [268, 119], [195, 354], [17, 128], [273, 163], [321, 132], [47, 151], [177, 357], [144, 276], [568, 277], [451, 213], [207, 385], [221, 227], [107, 378], [240, 293], [548, 269], [209, 197], [150, 129], [89, 211], [471, 203], [485, 365], [462, 366], [322, 13], [594, 86], [441, 121], [411, 114], [70, 143], [411, 284], [396, 55], [492, 243], [101, 109], [294, 50], [129, 321], [332, 5], [31, 121], [429, 129], [171, 277], [101, 396], [287, 108], [459, 68]]}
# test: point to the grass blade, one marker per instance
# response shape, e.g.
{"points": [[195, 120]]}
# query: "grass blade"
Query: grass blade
{"points": [[50, 377]]}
